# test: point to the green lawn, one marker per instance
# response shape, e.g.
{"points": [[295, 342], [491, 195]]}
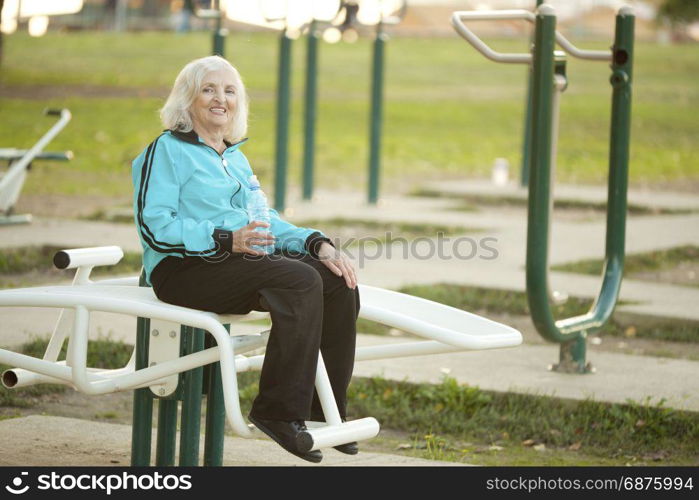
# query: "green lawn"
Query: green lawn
{"points": [[449, 111]]}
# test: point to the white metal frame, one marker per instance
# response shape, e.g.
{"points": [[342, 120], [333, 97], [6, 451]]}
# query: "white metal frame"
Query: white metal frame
{"points": [[446, 329], [12, 181], [458, 18]]}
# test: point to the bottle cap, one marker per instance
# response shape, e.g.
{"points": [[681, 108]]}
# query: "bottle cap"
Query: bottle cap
{"points": [[253, 182]]}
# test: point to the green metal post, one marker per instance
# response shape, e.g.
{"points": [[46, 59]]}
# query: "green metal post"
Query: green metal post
{"points": [[620, 128], [310, 111], [283, 105], [376, 118], [190, 428], [215, 412], [219, 38], [167, 432], [142, 419], [539, 187], [219, 42], [526, 143], [572, 332]]}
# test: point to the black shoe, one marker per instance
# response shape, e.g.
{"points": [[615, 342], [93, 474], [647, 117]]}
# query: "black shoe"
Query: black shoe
{"points": [[285, 434], [347, 448]]}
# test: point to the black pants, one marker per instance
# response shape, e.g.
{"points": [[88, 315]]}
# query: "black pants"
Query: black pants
{"points": [[311, 308]]}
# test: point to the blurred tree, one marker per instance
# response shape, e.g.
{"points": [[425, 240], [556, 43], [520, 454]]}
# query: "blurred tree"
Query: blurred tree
{"points": [[678, 15], [679, 11]]}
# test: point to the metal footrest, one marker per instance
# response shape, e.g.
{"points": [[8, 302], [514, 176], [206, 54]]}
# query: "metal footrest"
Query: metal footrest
{"points": [[326, 436]]}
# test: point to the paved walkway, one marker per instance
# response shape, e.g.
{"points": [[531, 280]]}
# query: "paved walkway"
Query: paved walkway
{"points": [[523, 369], [57, 441]]}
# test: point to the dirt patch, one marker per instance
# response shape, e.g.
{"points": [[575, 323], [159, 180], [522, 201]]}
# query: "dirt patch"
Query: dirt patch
{"points": [[63, 205], [115, 408], [685, 273]]}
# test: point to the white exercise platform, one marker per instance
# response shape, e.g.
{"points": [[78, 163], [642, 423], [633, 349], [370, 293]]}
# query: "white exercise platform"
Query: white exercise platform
{"points": [[446, 329], [20, 160]]}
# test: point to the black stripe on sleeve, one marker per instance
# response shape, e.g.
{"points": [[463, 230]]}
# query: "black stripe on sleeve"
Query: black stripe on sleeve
{"points": [[146, 232]]}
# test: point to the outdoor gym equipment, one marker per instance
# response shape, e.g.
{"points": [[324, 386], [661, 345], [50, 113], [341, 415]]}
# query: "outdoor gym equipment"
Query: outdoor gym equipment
{"points": [[218, 47], [526, 141], [549, 81], [307, 17], [169, 357], [376, 118], [376, 110], [19, 163]]}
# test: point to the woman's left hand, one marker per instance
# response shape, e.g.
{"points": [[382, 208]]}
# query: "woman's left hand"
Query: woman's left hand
{"points": [[337, 263]]}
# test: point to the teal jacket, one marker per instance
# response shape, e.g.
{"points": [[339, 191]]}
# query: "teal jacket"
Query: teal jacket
{"points": [[187, 197]]}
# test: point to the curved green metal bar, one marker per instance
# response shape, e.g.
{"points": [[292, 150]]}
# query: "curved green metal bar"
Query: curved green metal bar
{"points": [[572, 331]]}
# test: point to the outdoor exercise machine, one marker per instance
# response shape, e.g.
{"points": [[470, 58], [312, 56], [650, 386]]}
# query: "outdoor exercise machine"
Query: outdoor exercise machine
{"points": [[218, 47], [173, 355], [312, 17], [379, 19], [19, 163], [526, 141], [549, 80]]}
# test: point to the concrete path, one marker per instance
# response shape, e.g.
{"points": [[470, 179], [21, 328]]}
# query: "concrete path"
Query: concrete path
{"points": [[647, 198], [56, 441]]}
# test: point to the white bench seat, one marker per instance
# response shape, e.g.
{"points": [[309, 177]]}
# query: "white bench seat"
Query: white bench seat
{"points": [[445, 329]]}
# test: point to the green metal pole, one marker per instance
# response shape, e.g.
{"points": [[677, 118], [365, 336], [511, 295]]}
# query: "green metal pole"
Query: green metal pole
{"points": [[526, 143], [167, 432], [621, 81], [142, 419], [283, 105], [539, 186], [219, 38], [540, 192], [310, 111], [376, 114], [572, 332], [190, 428], [219, 42], [215, 412]]}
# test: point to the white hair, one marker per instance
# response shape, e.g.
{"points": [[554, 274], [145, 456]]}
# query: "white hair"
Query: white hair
{"points": [[175, 113]]}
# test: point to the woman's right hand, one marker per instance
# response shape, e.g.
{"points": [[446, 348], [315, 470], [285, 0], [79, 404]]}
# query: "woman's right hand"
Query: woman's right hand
{"points": [[246, 237]]}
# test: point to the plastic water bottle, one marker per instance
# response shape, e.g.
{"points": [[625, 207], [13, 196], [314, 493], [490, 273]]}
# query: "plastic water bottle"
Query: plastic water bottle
{"points": [[501, 173], [258, 210]]}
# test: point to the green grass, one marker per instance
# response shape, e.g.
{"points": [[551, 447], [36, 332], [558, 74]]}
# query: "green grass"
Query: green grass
{"points": [[452, 412], [400, 228], [372, 328], [452, 421], [105, 216], [28, 265], [101, 353], [634, 263], [489, 300], [448, 111], [353, 232]]}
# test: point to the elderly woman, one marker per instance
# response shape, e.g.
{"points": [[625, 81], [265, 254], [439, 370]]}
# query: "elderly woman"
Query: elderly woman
{"points": [[200, 250]]}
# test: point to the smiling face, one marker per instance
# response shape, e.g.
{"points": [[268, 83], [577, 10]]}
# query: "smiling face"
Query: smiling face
{"points": [[213, 108]]}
